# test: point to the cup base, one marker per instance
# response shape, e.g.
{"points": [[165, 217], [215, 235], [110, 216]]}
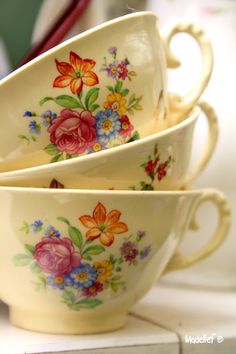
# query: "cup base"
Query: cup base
{"points": [[66, 323]]}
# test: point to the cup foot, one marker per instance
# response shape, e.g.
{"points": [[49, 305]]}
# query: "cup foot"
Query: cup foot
{"points": [[67, 323]]}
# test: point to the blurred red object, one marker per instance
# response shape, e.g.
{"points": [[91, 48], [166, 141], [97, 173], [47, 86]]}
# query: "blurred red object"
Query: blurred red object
{"points": [[59, 29]]}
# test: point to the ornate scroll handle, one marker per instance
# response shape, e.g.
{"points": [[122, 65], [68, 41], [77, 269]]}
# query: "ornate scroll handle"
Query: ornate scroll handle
{"points": [[179, 106], [178, 261]]}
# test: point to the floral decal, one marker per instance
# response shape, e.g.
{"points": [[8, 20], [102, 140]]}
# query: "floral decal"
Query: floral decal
{"points": [[155, 169], [66, 260], [82, 125]]}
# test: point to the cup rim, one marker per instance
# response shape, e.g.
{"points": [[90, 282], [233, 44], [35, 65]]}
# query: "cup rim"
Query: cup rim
{"points": [[75, 38], [191, 117], [101, 192]]}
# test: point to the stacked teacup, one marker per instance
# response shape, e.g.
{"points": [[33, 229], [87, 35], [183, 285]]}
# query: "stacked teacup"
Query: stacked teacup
{"points": [[94, 156]]}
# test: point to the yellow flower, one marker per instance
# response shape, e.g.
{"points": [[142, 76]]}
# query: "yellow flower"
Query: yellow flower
{"points": [[116, 102], [104, 270]]}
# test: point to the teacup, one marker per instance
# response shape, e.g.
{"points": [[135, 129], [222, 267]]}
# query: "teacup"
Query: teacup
{"points": [[75, 261], [100, 89], [157, 162]]}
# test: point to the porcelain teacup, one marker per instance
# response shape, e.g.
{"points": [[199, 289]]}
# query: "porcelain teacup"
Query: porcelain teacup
{"points": [[157, 162], [102, 88], [75, 261]]}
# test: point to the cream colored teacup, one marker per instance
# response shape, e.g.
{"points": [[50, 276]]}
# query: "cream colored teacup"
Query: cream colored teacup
{"points": [[100, 89], [74, 261], [160, 162]]}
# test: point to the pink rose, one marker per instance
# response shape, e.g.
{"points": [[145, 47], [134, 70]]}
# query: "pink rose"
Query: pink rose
{"points": [[56, 255], [126, 126], [73, 132]]}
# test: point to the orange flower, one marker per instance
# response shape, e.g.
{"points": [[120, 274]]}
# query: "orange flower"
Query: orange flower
{"points": [[102, 225], [76, 74]]}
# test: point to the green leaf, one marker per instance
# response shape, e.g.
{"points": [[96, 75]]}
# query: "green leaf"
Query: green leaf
{"points": [[29, 248], [132, 73], [125, 92], [87, 257], [51, 149], [94, 107], [24, 137], [132, 99], [45, 99], [76, 236], [91, 97], [58, 157], [118, 86], [61, 218], [93, 250], [134, 137], [35, 268], [110, 88], [68, 296], [85, 304], [138, 107], [130, 111], [33, 137], [25, 228], [67, 101], [21, 260]]}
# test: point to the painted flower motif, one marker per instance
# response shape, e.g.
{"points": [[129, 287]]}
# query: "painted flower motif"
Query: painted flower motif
{"points": [[140, 234], [104, 270], [37, 225], [111, 69], [129, 251], [73, 132], [52, 232], [76, 73], [162, 170], [48, 117], [56, 256], [56, 282], [122, 70], [116, 102], [102, 225], [112, 51], [145, 252], [151, 165], [34, 127], [28, 114], [126, 126], [93, 290], [83, 276], [108, 125]]}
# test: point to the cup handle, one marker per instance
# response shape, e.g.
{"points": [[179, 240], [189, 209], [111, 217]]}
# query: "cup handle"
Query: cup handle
{"points": [[213, 133], [178, 261], [178, 106]]}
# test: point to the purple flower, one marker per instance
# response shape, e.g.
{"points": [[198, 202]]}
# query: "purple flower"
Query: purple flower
{"points": [[145, 252], [140, 235], [112, 69], [112, 51], [48, 118], [129, 251]]}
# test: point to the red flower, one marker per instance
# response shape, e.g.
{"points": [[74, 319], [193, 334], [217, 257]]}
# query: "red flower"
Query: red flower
{"points": [[162, 170], [95, 288], [150, 167], [126, 126], [76, 74], [122, 70], [73, 132], [56, 255]]}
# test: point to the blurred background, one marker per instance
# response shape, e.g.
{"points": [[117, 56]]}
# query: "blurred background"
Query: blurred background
{"points": [[28, 28]]}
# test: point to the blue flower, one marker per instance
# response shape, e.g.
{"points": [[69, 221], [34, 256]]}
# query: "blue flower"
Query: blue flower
{"points": [[51, 231], [48, 118], [37, 225], [58, 282], [145, 252], [83, 276], [108, 125], [28, 114], [34, 127]]}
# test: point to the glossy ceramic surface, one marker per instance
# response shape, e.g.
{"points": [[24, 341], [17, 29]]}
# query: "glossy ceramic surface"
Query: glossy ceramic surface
{"points": [[157, 162], [75, 261], [95, 91]]}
